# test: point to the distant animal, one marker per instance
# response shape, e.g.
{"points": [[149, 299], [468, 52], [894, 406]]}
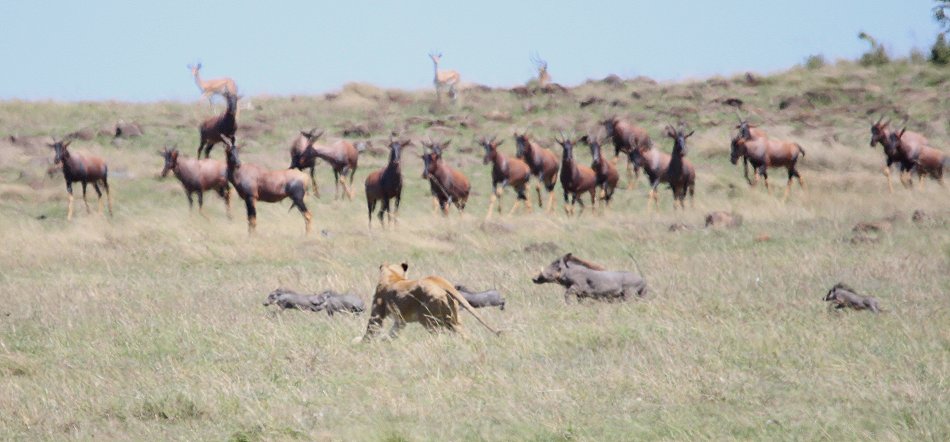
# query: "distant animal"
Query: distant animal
{"points": [[504, 172], [197, 176], [763, 152], [431, 301], [333, 302], [341, 155], [446, 184], [487, 298], [386, 183], [84, 168], [217, 86], [929, 161], [289, 299], [219, 129], [842, 296], [444, 78], [297, 147], [606, 172], [627, 138], [905, 156], [543, 164], [255, 183], [542, 66], [584, 279], [576, 179]]}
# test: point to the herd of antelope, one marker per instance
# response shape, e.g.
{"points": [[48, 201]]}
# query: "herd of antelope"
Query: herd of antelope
{"points": [[532, 161]]}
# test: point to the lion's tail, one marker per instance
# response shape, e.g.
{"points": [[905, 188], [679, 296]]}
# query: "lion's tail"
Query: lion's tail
{"points": [[450, 289]]}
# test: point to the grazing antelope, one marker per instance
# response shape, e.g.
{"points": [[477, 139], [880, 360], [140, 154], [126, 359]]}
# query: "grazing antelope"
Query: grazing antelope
{"points": [[543, 164], [386, 183], [906, 155], [763, 153], [445, 183], [255, 183], [197, 176], [219, 129], [218, 86], [84, 168], [929, 161], [606, 172], [297, 146], [575, 178], [542, 66], [504, 172], [444, 78], [626, 138], [342, 157]]}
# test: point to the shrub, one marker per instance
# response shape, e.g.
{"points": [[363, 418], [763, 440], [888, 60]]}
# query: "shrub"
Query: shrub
{"points": [[940, 52], [876, 56], [815, 62]]}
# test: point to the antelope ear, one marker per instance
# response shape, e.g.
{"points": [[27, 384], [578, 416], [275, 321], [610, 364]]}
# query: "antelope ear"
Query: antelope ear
{"points": [[67, 143], [405, 267], [446, 144], [500, 143], [690, 134]]}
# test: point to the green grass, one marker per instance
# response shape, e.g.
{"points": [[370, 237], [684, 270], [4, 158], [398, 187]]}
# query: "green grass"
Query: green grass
{"points": [[149, 325]]}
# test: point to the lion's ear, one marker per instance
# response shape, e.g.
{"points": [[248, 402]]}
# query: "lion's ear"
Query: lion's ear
{"points": [[405, 267]]}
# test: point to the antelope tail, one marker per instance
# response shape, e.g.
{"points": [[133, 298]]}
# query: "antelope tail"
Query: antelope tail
{"points": [[801, 149]]}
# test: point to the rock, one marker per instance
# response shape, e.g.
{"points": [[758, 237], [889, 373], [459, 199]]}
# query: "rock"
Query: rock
{"points": [[723, 220], [128, 130]]}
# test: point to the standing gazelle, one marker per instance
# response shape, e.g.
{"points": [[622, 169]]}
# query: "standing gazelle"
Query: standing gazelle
{"points": [[444, 78], [215, 86], [542, 66]]}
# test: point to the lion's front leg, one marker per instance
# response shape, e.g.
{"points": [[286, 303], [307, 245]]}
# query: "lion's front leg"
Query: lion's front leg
{"points": [[398, 325], [377, 315]]}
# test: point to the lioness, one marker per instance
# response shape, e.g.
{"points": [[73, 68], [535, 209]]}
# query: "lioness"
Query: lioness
{"points": [[431, 301]]}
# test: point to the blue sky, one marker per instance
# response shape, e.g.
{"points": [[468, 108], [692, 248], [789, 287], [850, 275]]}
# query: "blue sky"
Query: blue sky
{"points": [[137, 51]]}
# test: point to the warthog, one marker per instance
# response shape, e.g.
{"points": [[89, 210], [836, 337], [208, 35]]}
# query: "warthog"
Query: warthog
{"points": [[842, 296], [487, 298], [584, 279], [286, 298], [334, 302]]}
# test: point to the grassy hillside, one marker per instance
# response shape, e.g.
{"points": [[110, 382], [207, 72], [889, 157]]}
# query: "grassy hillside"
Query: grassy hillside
{"points": [[149, 325]]}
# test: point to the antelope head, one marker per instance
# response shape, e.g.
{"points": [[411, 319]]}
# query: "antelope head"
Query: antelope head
{"points": [[436, 57], [744, 127], [61, 150], [171, 159], [879, 131], [567, 144], [491, 148], [679, 137]]}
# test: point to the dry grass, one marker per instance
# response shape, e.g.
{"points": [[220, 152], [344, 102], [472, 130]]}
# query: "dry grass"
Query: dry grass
{"points": [[150, 325]]}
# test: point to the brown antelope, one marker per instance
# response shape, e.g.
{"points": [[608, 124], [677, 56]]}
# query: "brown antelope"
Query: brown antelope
{"points": [[255, 183], [543, 164], [576, 179], [906, 155], [542, 66], [84, 168], [929, 161], [763, 153], [504, 172], [219, 129], [446, 184], [297, 146], [674, 169], [386, 183], [444, 78], [209, 88], [626, 138], [197, 176], [606, 172], [342, 157]]}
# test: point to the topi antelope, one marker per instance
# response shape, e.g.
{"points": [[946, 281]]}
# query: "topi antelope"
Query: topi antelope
{"points": [[297, 146], [444, 78], [627, 138], [576, 179], [543, 164], [255, 183], [445, 182], [763, 153], [606, 171], [341, 155], [219, 129], [198, 175], [504, 172], [386, 183], [905, 155], [84, 168], [217, 86], [929, 162]]}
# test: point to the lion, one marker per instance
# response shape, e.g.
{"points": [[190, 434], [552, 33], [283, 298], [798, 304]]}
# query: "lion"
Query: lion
{"points": [[431, 301]]}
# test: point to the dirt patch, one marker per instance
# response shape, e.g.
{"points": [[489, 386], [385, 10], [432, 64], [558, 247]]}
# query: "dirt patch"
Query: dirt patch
{"points": [[542, 248]]}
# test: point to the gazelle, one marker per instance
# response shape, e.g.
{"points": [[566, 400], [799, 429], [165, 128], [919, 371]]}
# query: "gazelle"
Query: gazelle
{"points": [[444, 78], [542, 66], [216, 86]]}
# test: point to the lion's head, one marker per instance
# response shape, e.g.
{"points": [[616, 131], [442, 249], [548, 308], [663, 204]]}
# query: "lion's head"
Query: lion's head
{"points": [[392, 273]]}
